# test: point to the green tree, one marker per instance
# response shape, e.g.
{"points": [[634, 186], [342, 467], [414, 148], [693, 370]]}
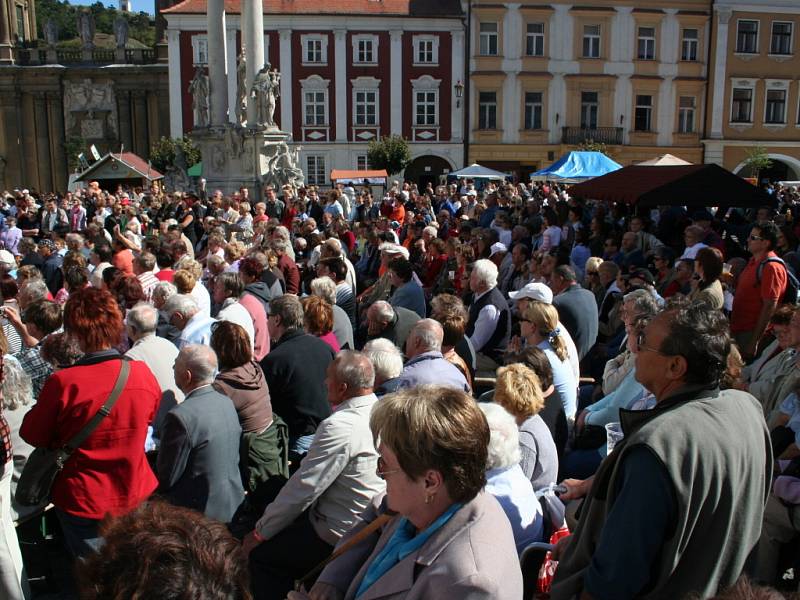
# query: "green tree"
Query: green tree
{"points": [[757, 160], [162, 152], [390, 152], [589, 145], [141, 26]]}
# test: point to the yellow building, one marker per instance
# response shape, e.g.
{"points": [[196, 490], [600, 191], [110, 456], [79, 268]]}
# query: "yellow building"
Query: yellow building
{"points": [[754, 86], [545, 78]]}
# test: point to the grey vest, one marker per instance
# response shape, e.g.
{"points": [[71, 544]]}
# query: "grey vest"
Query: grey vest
{"points": [[716, 450]]}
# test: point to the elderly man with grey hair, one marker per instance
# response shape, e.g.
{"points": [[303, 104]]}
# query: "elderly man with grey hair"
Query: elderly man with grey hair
{"points": [[198, 462], [489, 324], [158, 354], [391, 322], [163, 291], [425, 361], [326, 496], [325, 288], [387, 361], [183, 312]]}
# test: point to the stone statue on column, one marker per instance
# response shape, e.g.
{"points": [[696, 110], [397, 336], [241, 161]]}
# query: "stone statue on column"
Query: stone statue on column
{"points": [[198, 88], [86, 29], [241, 90], [50, 33], [265, 90], [121, 31]]}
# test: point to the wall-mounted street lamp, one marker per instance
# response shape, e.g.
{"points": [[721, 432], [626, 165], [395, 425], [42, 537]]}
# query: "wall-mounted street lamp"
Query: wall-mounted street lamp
{"points": [[459, 90]]}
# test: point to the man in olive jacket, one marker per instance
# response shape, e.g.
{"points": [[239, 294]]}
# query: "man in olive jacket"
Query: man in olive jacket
{"points": [[677, 506]]}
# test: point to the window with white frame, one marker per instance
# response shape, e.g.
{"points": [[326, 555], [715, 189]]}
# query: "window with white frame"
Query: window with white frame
{"points": [[425, 104], [199, 50], [775, 108], [315, 108], [686, 112], [314, 94], [534, 39], [689, 44], [362, 162], [487, 110], [589, 109], [315, 49], [643, 113], [315, 169], [591, 41], [365, 103], [742, 105], [488, 39], [426, 49], [781, 40], [646, 43], [534, 109], [365, 49], [747, 37]]}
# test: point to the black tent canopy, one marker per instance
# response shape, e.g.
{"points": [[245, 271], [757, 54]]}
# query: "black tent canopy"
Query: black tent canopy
{"points": [[693, 186]]}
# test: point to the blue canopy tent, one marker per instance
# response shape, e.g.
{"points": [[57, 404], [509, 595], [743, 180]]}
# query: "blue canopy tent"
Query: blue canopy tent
{"points": [[476, 171], [577, 166]]}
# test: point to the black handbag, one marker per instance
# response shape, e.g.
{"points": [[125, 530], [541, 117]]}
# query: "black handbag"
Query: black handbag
{"points": [[44, 465]]}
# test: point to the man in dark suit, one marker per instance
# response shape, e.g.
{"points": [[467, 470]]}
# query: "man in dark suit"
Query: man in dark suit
{"points": [[198, 461], [295, 371], [577, 308]]}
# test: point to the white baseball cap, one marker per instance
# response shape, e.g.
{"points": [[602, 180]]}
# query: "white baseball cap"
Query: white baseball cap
{"points": [[7, 259], [534, 291], [498, 247]]}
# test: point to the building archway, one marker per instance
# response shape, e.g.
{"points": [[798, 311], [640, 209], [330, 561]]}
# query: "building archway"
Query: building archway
{"points": [[427, 169], [784, 168]]}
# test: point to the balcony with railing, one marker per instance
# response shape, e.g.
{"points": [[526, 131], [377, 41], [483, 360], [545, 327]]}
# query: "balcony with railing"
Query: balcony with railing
{"points": [[95, 56], [601, 135]]}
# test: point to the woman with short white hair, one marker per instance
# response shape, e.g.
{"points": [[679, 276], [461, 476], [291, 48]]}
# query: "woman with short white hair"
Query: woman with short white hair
{"points": [[387, 361], [506, 481]]}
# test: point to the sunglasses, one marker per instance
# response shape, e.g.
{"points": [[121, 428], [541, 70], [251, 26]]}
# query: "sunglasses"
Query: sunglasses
{"points": [[755, 238], [382, 471]]}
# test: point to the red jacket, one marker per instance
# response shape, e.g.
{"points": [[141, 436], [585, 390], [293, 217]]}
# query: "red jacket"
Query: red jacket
{"points": [[109, 473]]}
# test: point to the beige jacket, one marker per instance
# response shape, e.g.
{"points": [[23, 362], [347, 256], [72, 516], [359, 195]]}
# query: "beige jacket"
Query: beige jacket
{"points": [[472, 557]]}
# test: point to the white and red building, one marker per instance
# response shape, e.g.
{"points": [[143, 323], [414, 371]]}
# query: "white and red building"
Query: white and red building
{"points": [[351, 71]]}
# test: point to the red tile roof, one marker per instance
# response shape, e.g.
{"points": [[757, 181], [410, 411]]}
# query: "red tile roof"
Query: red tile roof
{"points": [[413, 8]]}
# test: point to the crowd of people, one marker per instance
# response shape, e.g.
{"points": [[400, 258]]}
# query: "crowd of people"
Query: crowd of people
{"points": [[392, 385]]}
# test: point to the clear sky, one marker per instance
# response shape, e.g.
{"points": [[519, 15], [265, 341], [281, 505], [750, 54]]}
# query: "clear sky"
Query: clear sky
{"points": [[147, 6]]}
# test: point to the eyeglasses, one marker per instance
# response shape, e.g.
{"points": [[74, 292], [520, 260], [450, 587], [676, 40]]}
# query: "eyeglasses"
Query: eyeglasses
{"points": [[755, 238], [382, 471], [642, 346], [521, 320]]}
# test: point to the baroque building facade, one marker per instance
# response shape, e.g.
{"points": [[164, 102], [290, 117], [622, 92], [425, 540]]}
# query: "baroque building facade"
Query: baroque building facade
{"points": [[350, 72]]}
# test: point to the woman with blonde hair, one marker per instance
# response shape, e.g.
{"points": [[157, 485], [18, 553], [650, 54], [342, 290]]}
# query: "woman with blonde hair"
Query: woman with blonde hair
{"points": [[539, 326], [519, 391]]}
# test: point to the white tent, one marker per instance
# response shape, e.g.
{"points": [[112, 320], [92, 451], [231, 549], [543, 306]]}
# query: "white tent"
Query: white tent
{"points": [[665, 160], [476, 171]]}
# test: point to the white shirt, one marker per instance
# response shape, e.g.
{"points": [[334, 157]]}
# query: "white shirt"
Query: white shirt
{"points": [[203, 298], [691, 251], [488, 317], [234, 312]]}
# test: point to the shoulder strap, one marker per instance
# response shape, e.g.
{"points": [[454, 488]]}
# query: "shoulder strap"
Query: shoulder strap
{"points": [[769, 259], [104, 411]]}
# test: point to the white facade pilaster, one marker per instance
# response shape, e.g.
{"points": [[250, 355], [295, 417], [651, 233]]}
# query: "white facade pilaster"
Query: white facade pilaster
{"points": [[253, 35], [340, 82], [396, 82], [557, 107], [457, 74], [175, 92], [666, 110], [723, 16], [286, 79], [217, 78], [230, 42], [512, 65], [623, 99]]}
